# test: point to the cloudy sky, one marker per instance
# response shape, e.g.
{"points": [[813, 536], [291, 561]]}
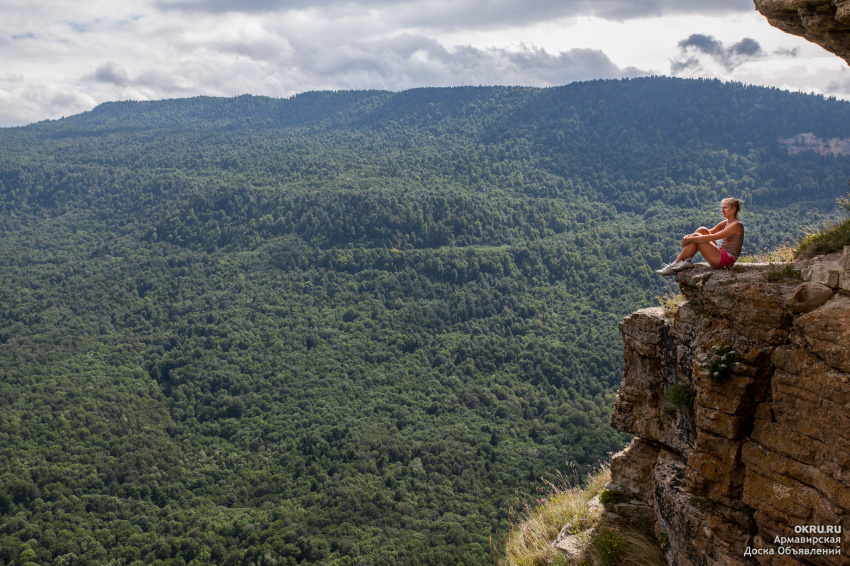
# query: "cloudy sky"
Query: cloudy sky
{"points": [[59, 58]]}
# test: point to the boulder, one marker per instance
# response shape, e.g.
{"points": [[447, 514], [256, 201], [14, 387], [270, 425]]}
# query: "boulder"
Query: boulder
{"points": [[809, 296]]}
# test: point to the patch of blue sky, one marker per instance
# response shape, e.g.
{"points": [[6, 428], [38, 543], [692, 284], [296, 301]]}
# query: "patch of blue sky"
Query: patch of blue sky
{"points": [[83, 27]]}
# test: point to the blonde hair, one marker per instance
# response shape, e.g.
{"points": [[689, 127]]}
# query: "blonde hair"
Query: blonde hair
{"points": [[735, 202]]}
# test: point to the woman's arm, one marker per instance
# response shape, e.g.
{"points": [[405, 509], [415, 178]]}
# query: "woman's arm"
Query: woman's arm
{"points": [[720, 226], [734, 228], [702, 232], [710, 230]]}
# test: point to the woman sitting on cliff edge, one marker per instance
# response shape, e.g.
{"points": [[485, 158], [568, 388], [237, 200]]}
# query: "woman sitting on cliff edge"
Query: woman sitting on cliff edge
{"points": [[731, 231]]}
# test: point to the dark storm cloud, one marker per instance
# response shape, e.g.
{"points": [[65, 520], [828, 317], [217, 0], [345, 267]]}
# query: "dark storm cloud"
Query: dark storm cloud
{"points": [[703, 43], [470, 13], [747, 48], [788, 52], [684, 64], [110, 73], [695, 47]]}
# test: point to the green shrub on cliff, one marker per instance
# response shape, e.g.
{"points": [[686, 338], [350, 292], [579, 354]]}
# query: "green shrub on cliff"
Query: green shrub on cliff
{"points": [[831, 238], [719, 364], [680, 396]]}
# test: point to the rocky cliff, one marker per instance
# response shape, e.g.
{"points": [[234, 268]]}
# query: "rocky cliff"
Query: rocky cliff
{"points": [[809, 142], [824, 22], [727, 465]]}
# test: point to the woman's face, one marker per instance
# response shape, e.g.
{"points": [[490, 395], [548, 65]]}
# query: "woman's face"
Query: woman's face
{"points": [[727, 210]]}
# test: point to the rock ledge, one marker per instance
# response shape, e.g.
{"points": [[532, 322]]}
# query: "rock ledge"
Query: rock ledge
{"points": [[824, 22], [760, 453]]}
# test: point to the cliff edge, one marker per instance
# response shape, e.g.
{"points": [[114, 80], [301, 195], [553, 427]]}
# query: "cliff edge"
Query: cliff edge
{"points": [[824, 22], [749, 464]]}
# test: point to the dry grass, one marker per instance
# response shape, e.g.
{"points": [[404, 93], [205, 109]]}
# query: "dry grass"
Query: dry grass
{"points": [[632, 548], [782, 253], [529, 543], [829, 236], [670, 304], [832, 238]]}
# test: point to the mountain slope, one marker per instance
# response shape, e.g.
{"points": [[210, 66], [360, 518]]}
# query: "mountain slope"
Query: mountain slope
{"points": [[347, 327]]}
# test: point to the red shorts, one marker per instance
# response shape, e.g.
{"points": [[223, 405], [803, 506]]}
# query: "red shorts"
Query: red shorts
{"points": [[726, 260]]}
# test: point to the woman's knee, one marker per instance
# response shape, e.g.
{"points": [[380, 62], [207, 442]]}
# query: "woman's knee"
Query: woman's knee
{"points": [[703, 230]]}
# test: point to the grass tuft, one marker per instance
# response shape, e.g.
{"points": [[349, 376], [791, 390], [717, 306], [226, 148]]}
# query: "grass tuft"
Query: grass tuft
{"points": [[781, 253], [623, 546], [608, 497], [680, 396], [670, 304], [832, 238], [784, 272], [529, 542], [609, 545]]}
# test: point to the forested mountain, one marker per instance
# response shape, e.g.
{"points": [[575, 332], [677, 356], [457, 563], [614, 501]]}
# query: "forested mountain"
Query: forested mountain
{"points": [[347, 327]]}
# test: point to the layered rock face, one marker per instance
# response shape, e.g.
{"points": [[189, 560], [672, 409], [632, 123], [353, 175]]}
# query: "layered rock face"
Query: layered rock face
{"points": [[808, 142], [824, 22], [764, 452]]}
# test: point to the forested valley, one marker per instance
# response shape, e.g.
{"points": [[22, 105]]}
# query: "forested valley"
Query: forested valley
{"points": [[350, 327]]}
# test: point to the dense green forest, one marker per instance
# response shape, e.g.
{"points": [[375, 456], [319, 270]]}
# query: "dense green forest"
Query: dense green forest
{"points": [[349, 327]]}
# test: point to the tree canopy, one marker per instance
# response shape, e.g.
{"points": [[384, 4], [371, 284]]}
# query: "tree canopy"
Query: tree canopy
{"points": [[348, 327]]}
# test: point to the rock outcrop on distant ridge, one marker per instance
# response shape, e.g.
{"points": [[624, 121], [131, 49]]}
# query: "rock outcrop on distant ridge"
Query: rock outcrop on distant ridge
{"points": [[765, 452], [824, 22], [809, 142]]}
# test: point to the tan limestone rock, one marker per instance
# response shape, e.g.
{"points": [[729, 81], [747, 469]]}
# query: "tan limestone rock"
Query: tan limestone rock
{"points": [[745, 303], [698, 533], [826, 273], [809, 296], [826, 332], [652, 367], [776, 483], [714, 467], [633, 468], [844, 263], [687, 323], [823, 22], [761, 452], [844, 260]]}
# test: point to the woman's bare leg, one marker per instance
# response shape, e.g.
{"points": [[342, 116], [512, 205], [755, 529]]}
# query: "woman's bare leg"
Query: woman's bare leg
{"points": [[690, 250], [710, 253]]}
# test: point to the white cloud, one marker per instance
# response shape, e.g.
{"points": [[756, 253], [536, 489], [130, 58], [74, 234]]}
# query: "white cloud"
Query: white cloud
{"points": [[445, 14], [841, 82], [62, 58]]}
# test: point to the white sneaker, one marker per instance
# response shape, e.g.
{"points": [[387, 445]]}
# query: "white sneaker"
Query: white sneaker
{"points": [[666, 269], [683, 265]]}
